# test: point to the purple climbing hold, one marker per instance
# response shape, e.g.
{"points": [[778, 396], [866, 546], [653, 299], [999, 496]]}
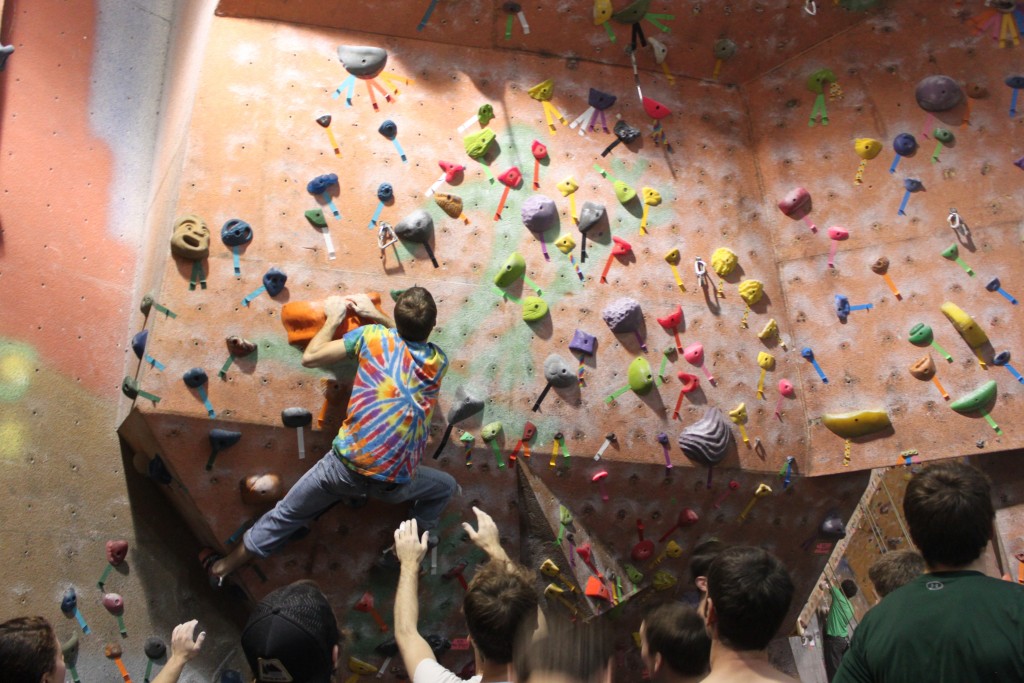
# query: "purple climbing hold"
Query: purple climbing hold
{"points": [[539, 213], [623, 315]]}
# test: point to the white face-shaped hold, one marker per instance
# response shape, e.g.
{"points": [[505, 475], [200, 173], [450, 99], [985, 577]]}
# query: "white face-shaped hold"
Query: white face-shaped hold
{"points": [[191, 238]]}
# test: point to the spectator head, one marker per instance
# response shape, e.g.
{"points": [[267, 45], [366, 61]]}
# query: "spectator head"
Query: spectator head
{"points": [[749, 592], [674, 636], [948, 507], [293, 635], [849, 587], [500, 602], [894, 569], [29, 652], [415, 314], [703, 554], [569, 652]]}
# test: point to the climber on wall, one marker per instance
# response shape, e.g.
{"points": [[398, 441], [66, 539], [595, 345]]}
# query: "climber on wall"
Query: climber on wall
{"points": [[380, 444]]}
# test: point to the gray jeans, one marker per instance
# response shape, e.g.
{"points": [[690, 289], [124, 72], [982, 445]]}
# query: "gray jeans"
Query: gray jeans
{"points": [[329, 481]]}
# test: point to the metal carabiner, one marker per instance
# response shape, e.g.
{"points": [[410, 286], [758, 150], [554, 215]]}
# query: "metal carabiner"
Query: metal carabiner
{"points": [[958, 224], [701, 270], [385, 236]]}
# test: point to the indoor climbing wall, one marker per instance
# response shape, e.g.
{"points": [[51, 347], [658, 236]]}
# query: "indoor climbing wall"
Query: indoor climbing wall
{"points": [[644, 271]]}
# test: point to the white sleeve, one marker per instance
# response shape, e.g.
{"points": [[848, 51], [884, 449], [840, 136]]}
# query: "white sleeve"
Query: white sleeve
{"points": [[429, 671]]}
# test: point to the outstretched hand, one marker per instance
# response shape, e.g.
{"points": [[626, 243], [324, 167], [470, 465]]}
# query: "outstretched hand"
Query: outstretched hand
{"points": [[485, 536], [409, 546], [182, 644]]}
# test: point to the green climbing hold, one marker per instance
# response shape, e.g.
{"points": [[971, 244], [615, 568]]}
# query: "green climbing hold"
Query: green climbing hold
{"points": [[623, 192], [513, 269], [476, 143], [978, 399], [490, 431], [316, 218], [633, 13], [641, 379], [817, 81], [534, 308]]}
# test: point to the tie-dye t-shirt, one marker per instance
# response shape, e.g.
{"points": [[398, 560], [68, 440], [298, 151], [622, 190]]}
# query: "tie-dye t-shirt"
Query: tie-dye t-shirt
{"points": [[394, 393]]}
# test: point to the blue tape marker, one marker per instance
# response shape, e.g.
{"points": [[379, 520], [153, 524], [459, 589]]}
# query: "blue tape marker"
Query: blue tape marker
{"points": [[206, 402], [1009, 297], [237, 260], [155, 363], [255, 293], [1013, 103], [348, 86], [234, 538], [903, 204], [398, 146], [895, 163], [376, 215], [81, 622], [862, 307], [426, 16], [1016, 375], [329, 201]]}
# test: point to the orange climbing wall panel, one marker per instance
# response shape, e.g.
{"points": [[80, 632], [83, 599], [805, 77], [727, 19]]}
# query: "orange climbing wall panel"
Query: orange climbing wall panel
{"points": [[254, 145]]}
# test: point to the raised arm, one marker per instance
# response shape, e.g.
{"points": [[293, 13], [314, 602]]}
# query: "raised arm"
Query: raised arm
{"points": [[323, 349], [410, 549], [362, 306], [183, 650], [486, 536]]}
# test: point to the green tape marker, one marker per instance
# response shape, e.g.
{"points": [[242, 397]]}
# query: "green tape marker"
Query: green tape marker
{"points": [[661, 369], [531, 284], [565, 449], [508, 27], [655, 19], [614, 395], [148, 396], [104, 575], [497, 454], [609, 31], [511, 297], [223, 372], [166, 311], [198, 276], [487, 171]]}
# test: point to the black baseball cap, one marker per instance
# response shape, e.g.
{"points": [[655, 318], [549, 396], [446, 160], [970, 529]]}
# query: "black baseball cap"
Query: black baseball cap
{"points": [[291, 635]]}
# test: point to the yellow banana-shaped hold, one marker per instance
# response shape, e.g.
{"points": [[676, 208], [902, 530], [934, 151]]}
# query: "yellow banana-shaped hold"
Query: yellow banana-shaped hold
{"points": [[964, 324], [858, 423]]}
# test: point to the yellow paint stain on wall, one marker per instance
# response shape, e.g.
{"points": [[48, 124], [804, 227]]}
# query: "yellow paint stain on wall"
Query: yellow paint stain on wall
{"points": [[16, 367], [12, 442]]}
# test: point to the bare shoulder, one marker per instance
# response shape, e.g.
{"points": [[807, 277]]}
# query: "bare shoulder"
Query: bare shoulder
{"points": [[758, 674]]}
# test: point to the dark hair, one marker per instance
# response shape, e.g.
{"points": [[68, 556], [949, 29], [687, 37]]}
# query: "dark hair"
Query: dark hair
{"points": [[895, 569], [415, 314], [751, 592], [28, 649], [580, 651], [849, 587], [949, 510], [500, 600], [702, 557], [677, 633]]}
